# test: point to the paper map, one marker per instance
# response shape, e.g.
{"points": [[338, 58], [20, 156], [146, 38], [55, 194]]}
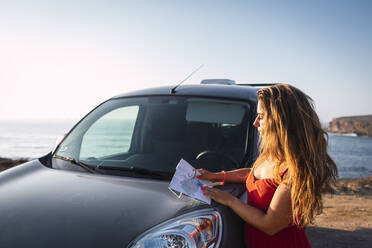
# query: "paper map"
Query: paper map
{"points": [[184, 180]]}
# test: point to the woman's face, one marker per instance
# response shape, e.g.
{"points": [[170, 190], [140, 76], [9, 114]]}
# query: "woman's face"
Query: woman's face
{"points": [[260, 120]]}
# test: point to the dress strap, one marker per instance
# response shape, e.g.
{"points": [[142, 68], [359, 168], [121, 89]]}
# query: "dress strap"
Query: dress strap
{"points": [[283, 173]]}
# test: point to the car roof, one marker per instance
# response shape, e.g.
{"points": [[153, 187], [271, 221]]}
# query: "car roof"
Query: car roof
{"points": [[240, 92]]}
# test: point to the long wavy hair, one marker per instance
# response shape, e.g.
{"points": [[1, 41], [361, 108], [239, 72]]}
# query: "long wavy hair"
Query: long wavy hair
{"points": [[293, 138]]}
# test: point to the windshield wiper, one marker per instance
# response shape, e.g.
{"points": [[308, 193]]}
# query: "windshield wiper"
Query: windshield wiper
{"points": [[141, 171], [76, 162]]}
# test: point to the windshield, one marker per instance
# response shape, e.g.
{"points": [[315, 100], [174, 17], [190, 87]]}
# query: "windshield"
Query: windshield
{"points": [[154, 133]]}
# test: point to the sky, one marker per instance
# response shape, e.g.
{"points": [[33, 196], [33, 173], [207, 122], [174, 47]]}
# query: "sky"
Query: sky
{"points": [[60, 59]]}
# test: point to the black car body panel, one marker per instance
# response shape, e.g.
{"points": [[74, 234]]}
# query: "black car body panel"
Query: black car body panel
{"points": [[39, 205]]}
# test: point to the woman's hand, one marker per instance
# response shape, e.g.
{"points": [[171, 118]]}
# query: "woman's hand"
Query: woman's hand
{"points": [[218, 195], [207, 175]]}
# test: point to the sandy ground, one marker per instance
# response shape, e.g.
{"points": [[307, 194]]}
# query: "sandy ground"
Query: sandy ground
{"points": [[346, 220]]}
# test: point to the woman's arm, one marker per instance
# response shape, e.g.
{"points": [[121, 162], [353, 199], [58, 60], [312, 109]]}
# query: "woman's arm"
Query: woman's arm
{"points": [[234, 176], [277, 217]]}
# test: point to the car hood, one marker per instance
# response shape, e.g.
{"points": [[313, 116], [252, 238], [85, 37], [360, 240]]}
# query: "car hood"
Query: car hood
{"points": [[42, 207]]}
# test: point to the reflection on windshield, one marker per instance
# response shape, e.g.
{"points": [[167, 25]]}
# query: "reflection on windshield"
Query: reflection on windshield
{"points": [[154, 133]]}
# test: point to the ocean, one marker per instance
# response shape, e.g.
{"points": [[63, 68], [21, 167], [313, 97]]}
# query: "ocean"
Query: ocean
{"points": [[34, 138]]}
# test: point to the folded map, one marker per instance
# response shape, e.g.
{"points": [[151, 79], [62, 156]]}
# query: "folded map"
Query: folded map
{"points": [[184, 180]]}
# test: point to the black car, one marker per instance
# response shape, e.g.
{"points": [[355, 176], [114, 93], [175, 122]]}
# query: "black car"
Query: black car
{"points": [[106, 183]]}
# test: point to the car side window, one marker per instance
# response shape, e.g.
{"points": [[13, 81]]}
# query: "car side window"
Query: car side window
{"points": [[109, 135]]}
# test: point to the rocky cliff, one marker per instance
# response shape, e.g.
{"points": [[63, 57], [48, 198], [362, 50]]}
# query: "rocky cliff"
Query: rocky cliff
{"points": [[359, 125]]}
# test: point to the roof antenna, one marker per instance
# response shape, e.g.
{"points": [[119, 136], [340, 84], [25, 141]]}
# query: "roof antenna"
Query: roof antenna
{"points": [[173, 90]]}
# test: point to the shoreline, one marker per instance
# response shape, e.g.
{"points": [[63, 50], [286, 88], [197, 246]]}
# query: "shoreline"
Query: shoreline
{"points": [[6, 163], [348, 134]]}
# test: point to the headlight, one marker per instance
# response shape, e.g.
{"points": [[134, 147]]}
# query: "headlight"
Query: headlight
{"points": [[197, 229]]}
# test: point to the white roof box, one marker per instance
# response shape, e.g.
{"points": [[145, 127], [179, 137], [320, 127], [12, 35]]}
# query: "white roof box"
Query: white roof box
{"points": [[218, 81]]}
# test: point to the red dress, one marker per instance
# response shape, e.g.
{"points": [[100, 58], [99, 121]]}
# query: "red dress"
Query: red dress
{"points": [[259, 194]]}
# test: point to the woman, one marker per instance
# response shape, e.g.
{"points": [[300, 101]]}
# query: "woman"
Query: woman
{"points": [[285, 183]]}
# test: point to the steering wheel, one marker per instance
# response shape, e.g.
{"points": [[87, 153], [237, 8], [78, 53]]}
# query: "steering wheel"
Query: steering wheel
{"points": [[220, 161]]}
